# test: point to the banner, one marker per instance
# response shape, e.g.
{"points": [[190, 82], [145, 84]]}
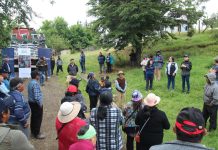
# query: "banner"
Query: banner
{"points": [[8, 53], [24, 62], [47, 53]]}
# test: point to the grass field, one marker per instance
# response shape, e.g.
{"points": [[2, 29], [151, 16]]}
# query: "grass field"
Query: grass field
{"points": [[171, 101]]}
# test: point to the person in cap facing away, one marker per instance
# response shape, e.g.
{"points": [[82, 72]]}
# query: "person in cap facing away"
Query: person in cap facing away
{"points": [[107, 120], [189, 129], [20, 111], [152, 123], [211, 101], [5, 78], [72, 95], [214, 69], [10, 138], [68, 124], [186, 67], [87, 139], [121, 85], [130, 111]]}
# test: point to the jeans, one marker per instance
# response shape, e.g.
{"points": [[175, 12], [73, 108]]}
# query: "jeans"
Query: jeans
{"points": [[210, 112], [101, 66], [185, 78], [171, 79], [36, 118], [42, 77], [149, 82], [83, 67], [93, 101], [59, 68]]}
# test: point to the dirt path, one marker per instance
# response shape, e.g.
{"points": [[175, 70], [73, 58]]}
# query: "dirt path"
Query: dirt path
{"points": [[53, 91]]}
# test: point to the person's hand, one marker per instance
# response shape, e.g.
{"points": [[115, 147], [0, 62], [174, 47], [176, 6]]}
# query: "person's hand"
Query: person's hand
{"points": [[174, 74], [26, 125]]}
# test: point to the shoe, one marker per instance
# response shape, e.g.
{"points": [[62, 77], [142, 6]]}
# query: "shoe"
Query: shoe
{"points": [[40, 136], [187, 92]]}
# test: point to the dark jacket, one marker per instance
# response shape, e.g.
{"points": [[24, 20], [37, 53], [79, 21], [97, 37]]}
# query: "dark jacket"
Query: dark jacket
{"points": [[186, 70], [6, 67], [152, 134], [82, 58], [93, 87], [72, 69], [149, 71], [101, 59]]}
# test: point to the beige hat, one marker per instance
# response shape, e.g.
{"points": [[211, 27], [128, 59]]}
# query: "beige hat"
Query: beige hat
{"points": [[120, 72], [68, 111], [151, 100]]}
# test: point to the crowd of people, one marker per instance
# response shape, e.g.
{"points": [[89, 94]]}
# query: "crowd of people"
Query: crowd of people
{"points": [[140, 119]]}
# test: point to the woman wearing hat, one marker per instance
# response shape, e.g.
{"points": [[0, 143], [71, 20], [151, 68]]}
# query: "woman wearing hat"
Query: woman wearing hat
{"points": [[87, 139], [130, 112], [68, 124], [121, 86], [152, 122], [107, 120]]}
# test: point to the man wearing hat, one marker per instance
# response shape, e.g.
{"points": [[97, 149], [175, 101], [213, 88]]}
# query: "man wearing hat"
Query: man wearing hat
{"points": [[5, 78], [186, 67], [6, 67], [214, 69], [68, 124], [211, 101], [189, 129], [121, 86]]}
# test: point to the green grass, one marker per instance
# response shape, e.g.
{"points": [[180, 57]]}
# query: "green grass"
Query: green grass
{"points": [[171, 101]]}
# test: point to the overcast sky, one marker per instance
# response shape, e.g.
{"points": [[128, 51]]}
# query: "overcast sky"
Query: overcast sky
{"points": [[76, 10]]}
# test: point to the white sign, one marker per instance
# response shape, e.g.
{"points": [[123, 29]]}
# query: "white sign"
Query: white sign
{"points": [[24, 72], [24, 51], [24, 62]]}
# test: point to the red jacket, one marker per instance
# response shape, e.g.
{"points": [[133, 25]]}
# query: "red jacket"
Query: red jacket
{"points": [[83, 145], [68, 134]]}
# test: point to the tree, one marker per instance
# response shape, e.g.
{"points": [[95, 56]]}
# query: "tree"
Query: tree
{"points": [[136, 22], [211, 22], [11, 13]]}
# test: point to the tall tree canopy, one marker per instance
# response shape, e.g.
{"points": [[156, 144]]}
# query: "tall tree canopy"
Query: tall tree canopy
{"points": [[12, 12], [123, 22]]}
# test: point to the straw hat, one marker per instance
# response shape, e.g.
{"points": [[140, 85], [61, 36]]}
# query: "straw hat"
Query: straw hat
{"points": [[120, 72], [68, 111], [151, 100]]}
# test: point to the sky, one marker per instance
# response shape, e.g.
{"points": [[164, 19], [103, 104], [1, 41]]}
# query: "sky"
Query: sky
{"points": [[76, 10]]}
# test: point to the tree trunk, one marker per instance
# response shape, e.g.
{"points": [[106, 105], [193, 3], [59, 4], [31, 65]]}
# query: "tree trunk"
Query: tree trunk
{"points": [[138, 54]]}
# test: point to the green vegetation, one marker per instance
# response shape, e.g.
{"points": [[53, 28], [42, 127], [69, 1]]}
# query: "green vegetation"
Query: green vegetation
{"points": [[171, 101]]}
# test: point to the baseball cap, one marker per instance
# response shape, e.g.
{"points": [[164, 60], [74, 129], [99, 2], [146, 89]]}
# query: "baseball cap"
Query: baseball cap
{"points": [[186, 55], [72, 89]]}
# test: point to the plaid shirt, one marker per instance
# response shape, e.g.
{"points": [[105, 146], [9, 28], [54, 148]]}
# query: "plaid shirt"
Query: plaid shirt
{"points": [[35, 93], [109, 136]]}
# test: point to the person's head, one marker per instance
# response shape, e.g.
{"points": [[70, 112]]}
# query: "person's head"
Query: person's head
{"points": [[4, 112], [72, 61], [151, 100], [107, 78], [186, 57], [150, 62], [190, 125], [102, 79], [68, 111], [82, 52], [4, 74], [100, 53], [59, 57], [91, 76], [75, 82], [72, 89], [17, 84], [171, 59], [121, 74], [87, 132], [136, 98], [216, 60], [6, 60], [210, 78], [158, 53], [35, 75], [151, 57], [107, 84]]}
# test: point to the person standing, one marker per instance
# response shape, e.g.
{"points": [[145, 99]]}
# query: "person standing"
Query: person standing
{"points": [[133, 58], [186, 67], [210, 101], [109, 63], [59, 65], [92, 88], [72, 68], [52, 59], [152, 123], [42, 68], [107, 119], [121, 85], [20, 111], [144, 64], [130, 111], [35, 99], [158, 64], [149, 75], [101, 60], [171, 70], [82, 61], [214, 69], [5, 79], [6, 67]]}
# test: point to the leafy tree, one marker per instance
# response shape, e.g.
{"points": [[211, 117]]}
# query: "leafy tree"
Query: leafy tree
{"points": [[136, 22], [57, 43], [13, 12], [211, 22]]}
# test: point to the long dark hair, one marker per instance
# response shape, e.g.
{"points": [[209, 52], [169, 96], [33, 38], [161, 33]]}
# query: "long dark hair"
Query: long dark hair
{"points": [[106, 99]]}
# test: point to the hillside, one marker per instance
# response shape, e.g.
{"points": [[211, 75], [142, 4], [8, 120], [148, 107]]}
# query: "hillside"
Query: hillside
{"points": [[201, 49]]}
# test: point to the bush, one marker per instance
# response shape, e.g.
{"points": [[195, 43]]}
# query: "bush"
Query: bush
{"points": [[191, 32]]}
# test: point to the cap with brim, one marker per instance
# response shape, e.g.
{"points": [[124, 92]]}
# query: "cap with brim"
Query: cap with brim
{"points": [[72, 89], [151, 100], [89, 134], [185, 55], [120, 72], [68, 111]]}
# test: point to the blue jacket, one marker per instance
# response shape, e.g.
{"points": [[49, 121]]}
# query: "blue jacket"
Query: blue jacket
{"points": [[93, 87], [82, 59], [101, 59], [149, 70], [20, 111]]}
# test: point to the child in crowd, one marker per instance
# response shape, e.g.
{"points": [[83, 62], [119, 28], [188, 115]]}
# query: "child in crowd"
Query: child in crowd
{"points": [[102, 82]]}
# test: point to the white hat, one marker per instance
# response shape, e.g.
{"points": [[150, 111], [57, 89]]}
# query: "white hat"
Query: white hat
{"points": [[152, 100], [68, 111]]}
